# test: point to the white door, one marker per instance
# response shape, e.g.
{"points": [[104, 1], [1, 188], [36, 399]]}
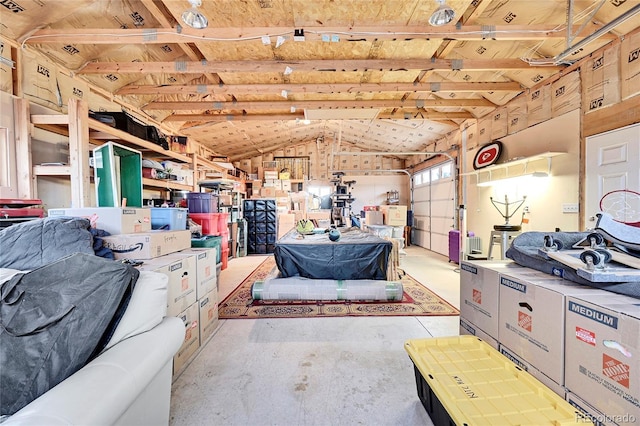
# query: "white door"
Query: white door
{"points": [[612, 164], [433, 208]]}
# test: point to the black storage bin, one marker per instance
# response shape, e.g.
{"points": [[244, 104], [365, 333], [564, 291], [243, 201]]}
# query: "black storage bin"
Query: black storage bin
{"points": [[261, 217], [154, 135], [123, 121]]}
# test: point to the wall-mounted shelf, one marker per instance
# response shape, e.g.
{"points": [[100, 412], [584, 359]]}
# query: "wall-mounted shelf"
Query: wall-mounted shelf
{"points": [[517, 166], [52, 170], [166, 184]]}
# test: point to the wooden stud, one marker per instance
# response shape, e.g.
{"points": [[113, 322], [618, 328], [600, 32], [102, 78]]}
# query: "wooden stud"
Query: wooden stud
{"points": [[25, 184], [79, 154]]}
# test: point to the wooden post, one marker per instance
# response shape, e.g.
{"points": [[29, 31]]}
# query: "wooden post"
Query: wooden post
{"points": [[79, 154], [24, 173]]}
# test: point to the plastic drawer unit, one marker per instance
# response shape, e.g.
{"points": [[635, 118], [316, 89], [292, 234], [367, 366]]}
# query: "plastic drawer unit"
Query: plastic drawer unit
{"points": [[462, 380]]}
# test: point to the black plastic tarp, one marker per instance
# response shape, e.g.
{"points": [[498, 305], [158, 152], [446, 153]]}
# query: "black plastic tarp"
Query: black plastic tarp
{"points": [[357, 255]]}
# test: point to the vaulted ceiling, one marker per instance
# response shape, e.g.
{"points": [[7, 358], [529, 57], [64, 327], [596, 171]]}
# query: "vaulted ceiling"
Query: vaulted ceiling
{"points": [[267, 74]]}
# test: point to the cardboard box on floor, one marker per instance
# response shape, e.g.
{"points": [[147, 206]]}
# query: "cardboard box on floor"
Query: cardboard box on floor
{"points": [[190, 318], [526, 366], [467, 328], [147, 245], [208, 306], [114, 220]]}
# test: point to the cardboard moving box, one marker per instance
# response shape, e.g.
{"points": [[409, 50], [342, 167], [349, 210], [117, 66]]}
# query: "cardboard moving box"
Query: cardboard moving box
{"points": [[394, 215], [114, 220], [479, 293], [531, 314], [181, 270], [191, 337], [206, 260], [602, 354], [147, 245], [208, 306]]}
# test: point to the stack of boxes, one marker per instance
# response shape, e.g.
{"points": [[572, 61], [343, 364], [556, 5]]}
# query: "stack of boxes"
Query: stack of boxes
{"points": [[580, 341], [203, 209], [192, 293]]}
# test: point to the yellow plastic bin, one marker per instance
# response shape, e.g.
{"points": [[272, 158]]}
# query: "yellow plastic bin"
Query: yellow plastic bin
{"points": [[462, 380]]}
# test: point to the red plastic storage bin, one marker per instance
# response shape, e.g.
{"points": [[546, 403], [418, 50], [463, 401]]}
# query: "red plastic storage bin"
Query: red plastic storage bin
{"points": [[223, 227], [225, 258], [208, 221]]}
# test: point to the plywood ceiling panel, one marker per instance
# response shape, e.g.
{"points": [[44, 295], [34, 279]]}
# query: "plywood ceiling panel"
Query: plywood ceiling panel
{"points": [[140, 54]]}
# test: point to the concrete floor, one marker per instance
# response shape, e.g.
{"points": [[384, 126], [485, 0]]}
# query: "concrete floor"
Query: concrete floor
{"points": [[319, 371]]}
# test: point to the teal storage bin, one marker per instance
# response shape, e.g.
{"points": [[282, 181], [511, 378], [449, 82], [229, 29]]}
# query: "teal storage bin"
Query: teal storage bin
{"points": [[171, 218], [209, 241]]}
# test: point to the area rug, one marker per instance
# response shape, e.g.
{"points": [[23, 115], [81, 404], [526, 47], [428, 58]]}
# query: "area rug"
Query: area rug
{"points": [[417, 300]]}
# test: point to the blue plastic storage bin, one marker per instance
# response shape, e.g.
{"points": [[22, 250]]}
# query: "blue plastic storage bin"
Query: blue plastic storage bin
{"points": [[172, 218]]}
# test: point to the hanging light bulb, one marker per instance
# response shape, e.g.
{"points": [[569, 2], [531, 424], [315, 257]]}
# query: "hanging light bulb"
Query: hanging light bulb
{"points": [[192, 16], [443, 14]]}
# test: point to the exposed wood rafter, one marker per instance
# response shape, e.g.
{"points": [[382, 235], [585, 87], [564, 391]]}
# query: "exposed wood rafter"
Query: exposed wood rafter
{"points": [[326, 104], [436, 86], [319, 65], [188, 35]]}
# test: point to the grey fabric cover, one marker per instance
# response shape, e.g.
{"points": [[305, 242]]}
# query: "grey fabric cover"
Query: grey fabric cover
{"points": [[524, 251], [357, 255], [52, 320], [33, 244]]}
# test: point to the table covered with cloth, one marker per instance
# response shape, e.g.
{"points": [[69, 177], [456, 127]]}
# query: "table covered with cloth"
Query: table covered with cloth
{"points": [[357, 255]]}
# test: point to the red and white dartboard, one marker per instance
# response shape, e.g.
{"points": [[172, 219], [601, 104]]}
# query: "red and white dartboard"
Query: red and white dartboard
{"points": [[487, 155]]}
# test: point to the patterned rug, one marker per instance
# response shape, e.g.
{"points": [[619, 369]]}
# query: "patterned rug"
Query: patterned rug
{"points": [[417, 300]]}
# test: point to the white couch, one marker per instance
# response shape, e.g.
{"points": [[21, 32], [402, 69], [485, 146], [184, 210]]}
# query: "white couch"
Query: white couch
{"points": [[127, 384]]}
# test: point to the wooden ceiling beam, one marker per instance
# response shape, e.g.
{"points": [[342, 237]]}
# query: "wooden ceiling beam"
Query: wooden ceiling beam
{"points": [[405, 114], [436, 86], [318, 65], [319, 104], [77, 36], [191, 52], [233, 117]]}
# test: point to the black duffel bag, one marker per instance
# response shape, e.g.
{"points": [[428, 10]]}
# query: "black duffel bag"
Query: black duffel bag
{"points": [[54, 319]]}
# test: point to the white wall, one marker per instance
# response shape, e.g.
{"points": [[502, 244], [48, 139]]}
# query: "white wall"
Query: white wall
{"points": [[372, 190], [544, 196]]}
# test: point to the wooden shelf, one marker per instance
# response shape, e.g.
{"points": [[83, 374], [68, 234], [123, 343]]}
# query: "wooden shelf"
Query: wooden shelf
{"points": [[100, 133], [52, 170], [166, 184]]}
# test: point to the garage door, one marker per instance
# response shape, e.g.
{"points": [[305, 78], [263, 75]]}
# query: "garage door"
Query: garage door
{"points": [[433, 207]]}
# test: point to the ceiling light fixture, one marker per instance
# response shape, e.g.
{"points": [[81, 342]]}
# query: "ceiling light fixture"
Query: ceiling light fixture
{"points": [[443, 14], [193, 18]]}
